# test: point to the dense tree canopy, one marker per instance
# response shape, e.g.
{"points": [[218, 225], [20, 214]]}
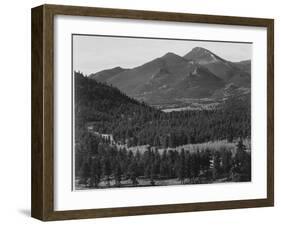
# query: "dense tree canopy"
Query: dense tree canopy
{"points": [[110, 111], [112, 165], [103, 109]]}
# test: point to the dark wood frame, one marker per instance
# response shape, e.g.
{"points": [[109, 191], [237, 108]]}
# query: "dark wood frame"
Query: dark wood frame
{"points": [[42, 203]]}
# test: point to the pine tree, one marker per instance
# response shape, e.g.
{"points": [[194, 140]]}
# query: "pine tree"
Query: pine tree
{"points": [[152, 168], [152, 175], [187, 164], [242, 163], [164, 168], [157, 162], [107, 170], [226, 161], [217, 165], [182, 166], [96, 171], [240, 146], [133, 172], [85, 173], [118, 174], [205, 160]]}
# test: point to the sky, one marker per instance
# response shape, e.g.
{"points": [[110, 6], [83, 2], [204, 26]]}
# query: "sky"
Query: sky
{"points": [[95, 53]]}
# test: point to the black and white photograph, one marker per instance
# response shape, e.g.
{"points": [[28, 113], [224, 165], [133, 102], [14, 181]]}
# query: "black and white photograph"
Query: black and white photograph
{"points": [[156, 111]]}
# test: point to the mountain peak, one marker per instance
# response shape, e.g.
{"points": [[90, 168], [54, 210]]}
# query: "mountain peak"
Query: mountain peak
{"points": [[202, 56], [200, 49], [118, 68], [172, 58], [171, 55]]}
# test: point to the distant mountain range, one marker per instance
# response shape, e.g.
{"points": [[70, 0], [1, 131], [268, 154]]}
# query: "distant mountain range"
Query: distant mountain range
{"points": [[173, 78]]}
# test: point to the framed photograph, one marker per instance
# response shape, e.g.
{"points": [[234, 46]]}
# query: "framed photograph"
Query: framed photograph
{"points": [[141, 112]]}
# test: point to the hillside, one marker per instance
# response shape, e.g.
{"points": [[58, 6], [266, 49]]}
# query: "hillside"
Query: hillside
{"points": [[185, 147], [98, 102], [105, 75], [107, 110]]}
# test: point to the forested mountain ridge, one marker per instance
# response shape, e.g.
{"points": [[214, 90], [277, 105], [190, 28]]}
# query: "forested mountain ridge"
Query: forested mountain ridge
{"points": [[103, 111], [98, 102], [170, 78], [108, 110]]}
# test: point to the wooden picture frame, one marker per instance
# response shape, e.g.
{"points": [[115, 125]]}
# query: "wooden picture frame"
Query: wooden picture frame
{"points": [[42, 203]]}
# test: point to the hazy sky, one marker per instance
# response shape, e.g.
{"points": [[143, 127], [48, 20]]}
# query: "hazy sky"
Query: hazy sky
{"points": [[95, 53]]}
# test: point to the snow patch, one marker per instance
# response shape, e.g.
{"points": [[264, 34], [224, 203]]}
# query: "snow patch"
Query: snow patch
{"points": [[214, 58], [195, 71]]}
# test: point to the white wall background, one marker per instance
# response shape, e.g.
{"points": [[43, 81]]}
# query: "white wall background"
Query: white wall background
{"points": [[15, 112]]}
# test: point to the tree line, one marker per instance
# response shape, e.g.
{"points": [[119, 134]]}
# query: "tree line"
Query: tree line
{"points": [[97, 162]]}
